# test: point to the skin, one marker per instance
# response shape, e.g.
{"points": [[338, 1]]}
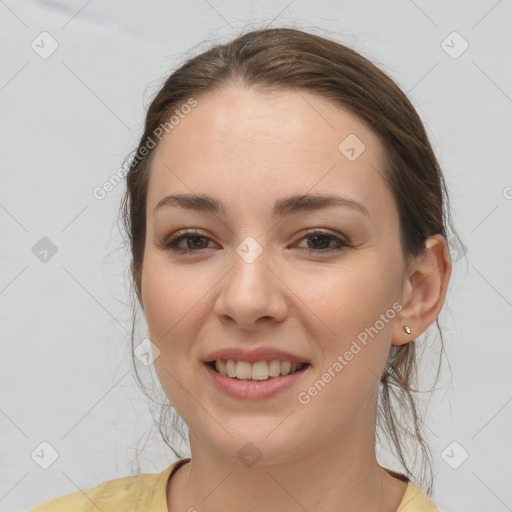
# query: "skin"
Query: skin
{"points": [[249, 149]]}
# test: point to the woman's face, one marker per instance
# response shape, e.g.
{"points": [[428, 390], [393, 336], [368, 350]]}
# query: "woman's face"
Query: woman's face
{"points": [[256, 277]]}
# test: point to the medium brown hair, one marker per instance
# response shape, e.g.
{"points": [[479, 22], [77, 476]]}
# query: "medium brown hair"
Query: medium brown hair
{"points": [[291, 59]]}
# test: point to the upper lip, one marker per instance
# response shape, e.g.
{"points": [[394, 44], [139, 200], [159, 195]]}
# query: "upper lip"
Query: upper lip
{"points": [[254, 355]]}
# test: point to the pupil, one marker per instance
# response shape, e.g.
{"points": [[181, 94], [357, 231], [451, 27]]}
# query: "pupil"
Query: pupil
{"points": [[195, 238], [316, 237]]}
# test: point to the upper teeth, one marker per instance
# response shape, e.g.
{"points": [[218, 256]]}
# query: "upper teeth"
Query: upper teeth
{"points": [[260, 370]]}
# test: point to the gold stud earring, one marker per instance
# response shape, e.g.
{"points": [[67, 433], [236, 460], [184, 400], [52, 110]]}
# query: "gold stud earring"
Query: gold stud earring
{"points": [[407, 329]]}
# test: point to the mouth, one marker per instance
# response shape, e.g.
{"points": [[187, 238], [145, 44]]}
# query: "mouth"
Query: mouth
{"points": [[257, 371]]}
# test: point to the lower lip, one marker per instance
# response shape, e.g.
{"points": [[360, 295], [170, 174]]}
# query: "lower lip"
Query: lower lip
{"points": [[254, 389]]}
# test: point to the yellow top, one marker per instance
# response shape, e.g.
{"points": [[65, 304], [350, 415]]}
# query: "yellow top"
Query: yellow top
{"points": [[148, 493]]}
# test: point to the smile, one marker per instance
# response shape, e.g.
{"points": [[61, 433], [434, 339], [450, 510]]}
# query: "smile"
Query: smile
{"points": [[255, 381], [260, 370]]}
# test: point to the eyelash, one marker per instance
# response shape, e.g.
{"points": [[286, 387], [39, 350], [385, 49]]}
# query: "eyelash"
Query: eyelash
{"points": [[171, 243]]}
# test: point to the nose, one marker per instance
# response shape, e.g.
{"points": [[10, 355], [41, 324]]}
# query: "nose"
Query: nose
{"points": [[251, 295]]}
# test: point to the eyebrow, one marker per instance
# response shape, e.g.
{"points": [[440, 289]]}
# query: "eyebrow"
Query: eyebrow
{"points": [[283, 207]]}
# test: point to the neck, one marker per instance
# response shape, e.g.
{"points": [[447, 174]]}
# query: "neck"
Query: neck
{"points": [[331, 475]]}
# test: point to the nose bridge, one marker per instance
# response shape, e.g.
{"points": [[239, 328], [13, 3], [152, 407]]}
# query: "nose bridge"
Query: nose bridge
{"points": [[249, 277], [250, 289]]}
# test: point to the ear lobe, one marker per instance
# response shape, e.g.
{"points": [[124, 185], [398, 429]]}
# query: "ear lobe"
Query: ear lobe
{"points": [[424, 290]]}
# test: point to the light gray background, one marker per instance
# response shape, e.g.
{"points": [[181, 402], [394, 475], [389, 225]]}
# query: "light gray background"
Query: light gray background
{"points": [[69, 120]]}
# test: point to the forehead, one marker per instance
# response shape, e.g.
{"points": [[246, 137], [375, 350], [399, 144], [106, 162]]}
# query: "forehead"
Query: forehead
{"points": [[239, 145]]}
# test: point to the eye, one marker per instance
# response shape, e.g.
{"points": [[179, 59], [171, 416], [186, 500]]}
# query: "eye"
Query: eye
{"points": [[198, 241], [321, 241]]}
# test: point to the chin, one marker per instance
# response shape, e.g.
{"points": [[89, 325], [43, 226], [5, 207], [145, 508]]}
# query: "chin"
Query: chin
{"points": [[253, 447]]}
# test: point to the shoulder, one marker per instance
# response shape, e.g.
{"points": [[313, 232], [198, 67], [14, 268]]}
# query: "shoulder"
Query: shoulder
{"points": [[126, 494], [415, 500], [122, 494]]}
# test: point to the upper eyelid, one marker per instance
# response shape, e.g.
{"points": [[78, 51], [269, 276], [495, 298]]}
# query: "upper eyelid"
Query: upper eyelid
{"points": [[191, 232], [199, 232]]}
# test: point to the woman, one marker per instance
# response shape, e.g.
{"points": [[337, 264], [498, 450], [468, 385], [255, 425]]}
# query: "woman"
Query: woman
{"points": [[287, 220]]}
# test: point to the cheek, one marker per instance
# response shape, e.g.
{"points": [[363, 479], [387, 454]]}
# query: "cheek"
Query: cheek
{"points": [[176, 305], [357, 302], [356, 305], [168, 295], [172, 302]]}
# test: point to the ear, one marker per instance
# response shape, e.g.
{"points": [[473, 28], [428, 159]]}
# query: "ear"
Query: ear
{"points": [[424, 290]]}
